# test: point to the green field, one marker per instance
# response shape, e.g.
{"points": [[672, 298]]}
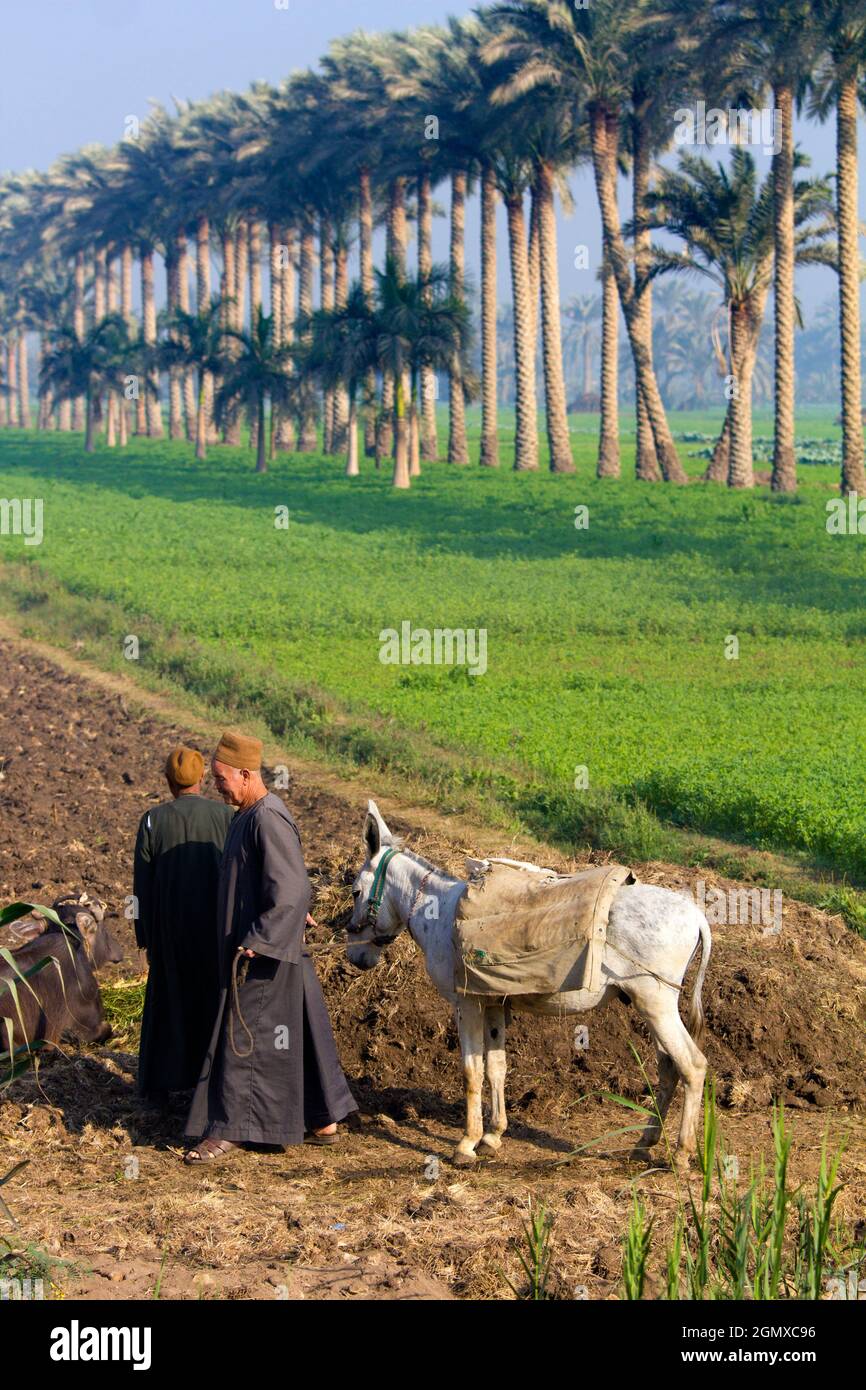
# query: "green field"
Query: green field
{"points": [[605, 646]]}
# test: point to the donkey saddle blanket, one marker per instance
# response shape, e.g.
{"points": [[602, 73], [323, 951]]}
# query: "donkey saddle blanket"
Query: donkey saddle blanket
{"points": [[523, 930]]}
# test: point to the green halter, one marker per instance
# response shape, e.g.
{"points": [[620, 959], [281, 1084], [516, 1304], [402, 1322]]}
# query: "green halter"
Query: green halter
{"points": [[377, 892]]}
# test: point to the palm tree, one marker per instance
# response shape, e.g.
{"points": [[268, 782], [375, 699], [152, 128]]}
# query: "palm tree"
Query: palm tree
{"points": [[256, 376], [341, 351], [558, 142], [583, 53], [775, 41], [581, 314], [196, 343], [727, 223], [85, 366], [360, 107], [417, 323], [843, 25]]}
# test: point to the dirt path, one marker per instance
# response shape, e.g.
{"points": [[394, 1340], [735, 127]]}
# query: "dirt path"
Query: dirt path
{"points": [[384, 1215]]}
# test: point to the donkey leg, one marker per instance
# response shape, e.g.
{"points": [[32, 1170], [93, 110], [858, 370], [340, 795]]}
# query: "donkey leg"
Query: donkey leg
{"points": [[670, 1035], [470, 1027], [664, 1094], [494, 1053]]}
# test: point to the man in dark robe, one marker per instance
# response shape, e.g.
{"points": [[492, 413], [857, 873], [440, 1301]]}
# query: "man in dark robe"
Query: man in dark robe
{"points": [[177, 857], [271, 1071]]}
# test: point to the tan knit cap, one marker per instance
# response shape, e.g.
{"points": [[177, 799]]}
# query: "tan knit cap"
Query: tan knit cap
{"points": [[239, 751], [184, 767]]}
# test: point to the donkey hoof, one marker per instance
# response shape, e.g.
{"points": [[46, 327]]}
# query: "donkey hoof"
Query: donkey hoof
{"points": [[489, 1147], [681, 1162], [463, 1159]]}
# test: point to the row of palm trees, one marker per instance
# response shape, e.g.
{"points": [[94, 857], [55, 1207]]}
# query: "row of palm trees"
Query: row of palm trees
{"points": [[506, 102]]}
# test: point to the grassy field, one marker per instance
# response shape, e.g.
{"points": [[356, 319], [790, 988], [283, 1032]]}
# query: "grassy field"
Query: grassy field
{"points": [[606, 646]]}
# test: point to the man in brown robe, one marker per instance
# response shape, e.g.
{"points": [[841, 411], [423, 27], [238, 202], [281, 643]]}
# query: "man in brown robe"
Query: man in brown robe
{"points": [[176, 868], [271, 1070]]}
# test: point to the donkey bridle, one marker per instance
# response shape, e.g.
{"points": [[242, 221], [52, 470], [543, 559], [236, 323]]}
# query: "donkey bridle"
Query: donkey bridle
{"points": [[374, 902]]}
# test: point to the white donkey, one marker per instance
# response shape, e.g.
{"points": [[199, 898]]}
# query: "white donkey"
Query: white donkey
{"points": [[651, 937]]}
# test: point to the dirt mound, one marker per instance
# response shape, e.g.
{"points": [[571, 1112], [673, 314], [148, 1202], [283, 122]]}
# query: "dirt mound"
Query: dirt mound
{"points": [[80, 765]]}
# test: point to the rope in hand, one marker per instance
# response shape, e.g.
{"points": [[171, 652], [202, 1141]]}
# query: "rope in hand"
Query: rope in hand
{"points": [[240, 966]]}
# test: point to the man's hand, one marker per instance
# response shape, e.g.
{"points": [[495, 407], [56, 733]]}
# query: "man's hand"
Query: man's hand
{"points": [[247, 952]]}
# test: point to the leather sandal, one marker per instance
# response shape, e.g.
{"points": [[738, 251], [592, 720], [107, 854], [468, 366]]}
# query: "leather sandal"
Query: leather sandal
{"points": [[209, 1151]]}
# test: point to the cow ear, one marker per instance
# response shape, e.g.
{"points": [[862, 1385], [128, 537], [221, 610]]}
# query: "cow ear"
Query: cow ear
{"points": [[86, 924], [376, 832]]}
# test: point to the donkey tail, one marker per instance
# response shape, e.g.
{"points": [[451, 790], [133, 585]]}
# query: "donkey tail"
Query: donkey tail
{"points": [[696, 1008]]}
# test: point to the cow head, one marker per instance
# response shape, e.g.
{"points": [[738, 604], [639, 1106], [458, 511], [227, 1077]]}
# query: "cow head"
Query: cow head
{"points": [[85, 917]]}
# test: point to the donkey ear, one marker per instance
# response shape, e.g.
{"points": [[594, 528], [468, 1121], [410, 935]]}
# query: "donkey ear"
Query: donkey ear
{"points": [[376, 831]]}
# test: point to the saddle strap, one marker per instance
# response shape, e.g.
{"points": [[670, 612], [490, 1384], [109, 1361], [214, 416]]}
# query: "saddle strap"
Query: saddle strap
{"points": [[643, 968]]}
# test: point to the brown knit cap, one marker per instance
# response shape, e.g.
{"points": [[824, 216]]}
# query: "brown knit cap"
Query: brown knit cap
{"points": [[239, 751], [184, 767]]}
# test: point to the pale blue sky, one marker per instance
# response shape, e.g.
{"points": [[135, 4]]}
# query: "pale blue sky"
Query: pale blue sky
{"points": [[74, 69]]}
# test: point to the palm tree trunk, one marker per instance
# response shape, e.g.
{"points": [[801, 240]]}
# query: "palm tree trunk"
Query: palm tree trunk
{"points": [[741, 472], [202, 304], [308, 442], [78, 406], [286, 432], [326, 243], [458, 449], [201, 419], [672, 469], [154, 412], [276, 283], [4, 399], [232, 424], [414, 427], [187, 377], [261, 436], [352, 469], [112, 282], [853, 475], [12, 379], [784, 478], [429, 432], [401, 441], [255, 253], [126, 259], [395, 250], [365, 228], [525, 406], [646, 463], [489, 433], [341, 396], [608, 465], [719, 467], [45, 408], [254, 247], [175, 398], [23, 383], [89, 423], [558, 439], [534, 272], [234, 429]]}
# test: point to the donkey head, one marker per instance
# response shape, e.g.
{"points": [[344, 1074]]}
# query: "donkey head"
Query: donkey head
{"points": [[374, 921]]}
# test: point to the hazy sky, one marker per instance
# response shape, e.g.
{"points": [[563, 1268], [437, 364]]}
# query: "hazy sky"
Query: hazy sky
{"points": [[73, 70]]}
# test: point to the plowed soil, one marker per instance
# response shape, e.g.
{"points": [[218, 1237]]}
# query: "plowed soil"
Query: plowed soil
{"points": [[383, 1214]]}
